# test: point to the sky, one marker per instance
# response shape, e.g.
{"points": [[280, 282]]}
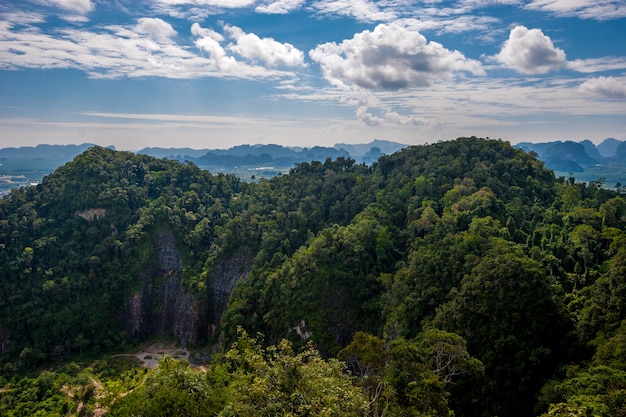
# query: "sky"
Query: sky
{"points": [[212, 74]]}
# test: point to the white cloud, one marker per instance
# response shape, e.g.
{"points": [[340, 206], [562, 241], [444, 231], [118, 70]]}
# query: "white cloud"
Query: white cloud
{"points": [[78, 6], [209, 41], [390, 58], [584, 9], [368, 118], [74, 18], [364, 116], [530, 52], [22, 18], [413, 120], [479, 4], [597, 64], [456, 25], [227, 4], [279, 6], [142, 50], [201, 32], [607, 87], [265, 50], [361, 10], [155, 28]]}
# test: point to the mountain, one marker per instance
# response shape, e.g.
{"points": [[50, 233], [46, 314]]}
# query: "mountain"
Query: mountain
{"points": [[540, 148], [40, 158], [179, 154], [582, 160], [620, 152], [45, 152], [361, 152], [461, 276], [564, 156], [283, 156], [25, 165], [608, 147], [591, 150]]}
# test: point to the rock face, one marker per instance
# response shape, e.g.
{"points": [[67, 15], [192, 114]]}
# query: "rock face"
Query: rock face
{"points": [[91, 214], [222, 281], [162, 308], [5, 342]]}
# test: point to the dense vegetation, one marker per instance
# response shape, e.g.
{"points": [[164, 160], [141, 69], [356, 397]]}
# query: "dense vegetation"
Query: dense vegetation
{"points": [[460, 277]]}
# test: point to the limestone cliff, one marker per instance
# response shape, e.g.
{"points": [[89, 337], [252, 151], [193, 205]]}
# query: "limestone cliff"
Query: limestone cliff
{"points": [[162, 308], [222, 281]]}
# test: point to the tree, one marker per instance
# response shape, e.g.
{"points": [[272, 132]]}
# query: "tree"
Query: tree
{"points": [[447, 353], [277, 381], [507, 312], [409, 377]]}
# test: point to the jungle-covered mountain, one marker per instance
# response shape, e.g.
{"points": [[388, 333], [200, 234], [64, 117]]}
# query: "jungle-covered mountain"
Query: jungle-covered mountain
{"points": [[25, 165], [459, 278]]}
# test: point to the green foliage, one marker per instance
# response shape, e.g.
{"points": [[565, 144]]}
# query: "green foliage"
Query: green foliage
{"points": [[496, 302], [597, 391], [173, 389], [524, 272], [329, 288], [71, 390], [249, 380], [276, 380], [75, 247], [409, 377]]}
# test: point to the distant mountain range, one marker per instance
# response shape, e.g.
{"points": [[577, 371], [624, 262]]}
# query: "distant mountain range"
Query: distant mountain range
{"points": [[274, 155], [26, 165], [583, 160]]}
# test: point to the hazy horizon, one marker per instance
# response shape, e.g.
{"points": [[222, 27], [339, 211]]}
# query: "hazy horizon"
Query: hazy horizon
{"points": [[212, 74]]}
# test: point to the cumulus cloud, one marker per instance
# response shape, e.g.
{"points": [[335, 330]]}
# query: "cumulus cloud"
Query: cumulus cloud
{"points": [[78, 6], [529, 51], [155, 28], [607, 87], [201, 32], [145, 49], [389, 58], [364, 116], [413, 120], [279, 6], [265, 50], [368, 118], [584, 9], [209, 42]]}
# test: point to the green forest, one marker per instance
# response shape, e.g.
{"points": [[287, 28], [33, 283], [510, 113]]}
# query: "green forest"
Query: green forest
{"points": [[461, 278]]}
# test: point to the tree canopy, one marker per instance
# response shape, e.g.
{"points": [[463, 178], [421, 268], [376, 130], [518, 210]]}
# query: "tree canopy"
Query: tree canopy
{"points": [[459, 277]]}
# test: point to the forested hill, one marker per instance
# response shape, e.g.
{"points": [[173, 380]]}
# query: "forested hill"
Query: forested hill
{"points": [[458, 277]]}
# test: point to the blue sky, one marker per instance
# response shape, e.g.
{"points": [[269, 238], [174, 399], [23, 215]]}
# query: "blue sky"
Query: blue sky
{"points": [[219, 73]]}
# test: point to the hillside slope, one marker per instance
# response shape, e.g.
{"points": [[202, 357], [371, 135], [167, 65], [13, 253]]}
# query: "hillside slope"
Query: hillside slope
{"points": [[471, 237]]}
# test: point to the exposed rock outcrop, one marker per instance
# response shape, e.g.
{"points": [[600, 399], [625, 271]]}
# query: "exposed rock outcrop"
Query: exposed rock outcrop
{"points": [[91, 214], [161, 307], [5, 342], [222, 281]]}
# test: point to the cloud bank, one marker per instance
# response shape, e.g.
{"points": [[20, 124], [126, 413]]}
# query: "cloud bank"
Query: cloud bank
{"points": [[605, 87], [390, 58]]}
